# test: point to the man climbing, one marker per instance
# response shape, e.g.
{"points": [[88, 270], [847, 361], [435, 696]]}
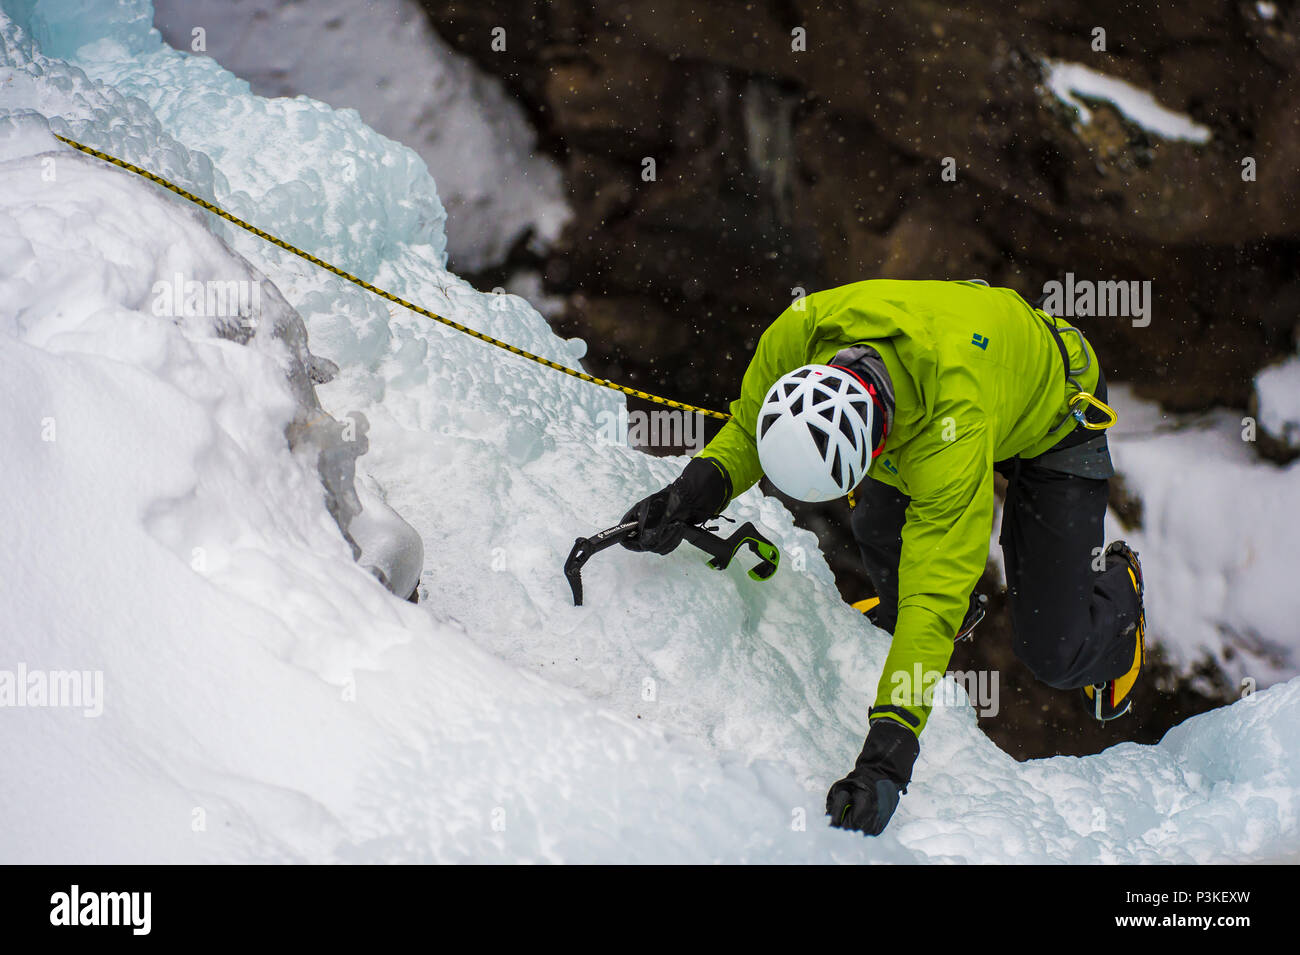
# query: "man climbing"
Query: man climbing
{"points": [[925, 389]]}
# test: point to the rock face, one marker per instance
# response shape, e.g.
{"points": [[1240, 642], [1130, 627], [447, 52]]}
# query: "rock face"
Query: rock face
{"points": [[800, 146]]}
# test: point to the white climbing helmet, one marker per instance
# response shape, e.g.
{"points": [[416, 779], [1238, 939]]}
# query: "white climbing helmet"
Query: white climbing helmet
{"points": [[815, 432]]}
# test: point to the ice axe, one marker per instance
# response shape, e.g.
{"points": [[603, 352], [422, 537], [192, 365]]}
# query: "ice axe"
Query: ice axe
{"points": [[721, 550]]}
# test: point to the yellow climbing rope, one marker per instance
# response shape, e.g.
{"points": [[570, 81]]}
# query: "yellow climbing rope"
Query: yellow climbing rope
{"points": [[362, 283]]}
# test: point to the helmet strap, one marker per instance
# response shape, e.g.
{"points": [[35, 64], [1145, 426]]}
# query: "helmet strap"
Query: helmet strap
{"points": [[882, 416]]}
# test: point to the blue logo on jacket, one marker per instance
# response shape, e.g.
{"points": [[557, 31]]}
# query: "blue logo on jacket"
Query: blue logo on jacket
{"points": [[980, 341]]}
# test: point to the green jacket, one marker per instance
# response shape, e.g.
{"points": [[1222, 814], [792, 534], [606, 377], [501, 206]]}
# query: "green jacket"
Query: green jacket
{"points": [[977, 378]]}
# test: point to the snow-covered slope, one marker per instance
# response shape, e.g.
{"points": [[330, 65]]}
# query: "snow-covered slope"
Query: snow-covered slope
{"points": [[382, 59], [1277, 392], [265, 699]]}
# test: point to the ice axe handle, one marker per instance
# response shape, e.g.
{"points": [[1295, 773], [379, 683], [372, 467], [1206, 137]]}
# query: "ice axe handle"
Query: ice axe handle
{"points": [[722, 550], [585, 547]]}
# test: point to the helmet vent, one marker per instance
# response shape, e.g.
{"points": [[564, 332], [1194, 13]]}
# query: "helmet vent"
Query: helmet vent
{"points": [[769, 419], [796, 406], [837, 472], [820, 438], [847, 430], [860, 406]]}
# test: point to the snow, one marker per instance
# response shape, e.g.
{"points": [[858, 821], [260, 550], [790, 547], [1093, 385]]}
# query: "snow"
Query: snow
{"points": [[390, 548], [1068, 82], [266, 700], [1277, 390], [406, 84]]}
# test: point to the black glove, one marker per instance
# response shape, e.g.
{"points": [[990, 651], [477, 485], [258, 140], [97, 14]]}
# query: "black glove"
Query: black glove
{"points": [[866, 798], [701, 492]]}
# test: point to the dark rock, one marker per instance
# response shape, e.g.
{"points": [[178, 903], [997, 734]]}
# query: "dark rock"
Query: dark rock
{"points": [[778, 170]]}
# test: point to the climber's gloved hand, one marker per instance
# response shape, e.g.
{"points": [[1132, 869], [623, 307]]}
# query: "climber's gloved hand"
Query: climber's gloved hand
{"points": [[701, 492], [866, 798]]}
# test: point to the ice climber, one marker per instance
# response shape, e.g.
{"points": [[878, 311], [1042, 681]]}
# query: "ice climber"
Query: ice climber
{"points": [[910, 395]]}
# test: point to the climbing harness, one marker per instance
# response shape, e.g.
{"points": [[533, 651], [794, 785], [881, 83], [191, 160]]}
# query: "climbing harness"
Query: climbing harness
{"points": [[1079, 403]]}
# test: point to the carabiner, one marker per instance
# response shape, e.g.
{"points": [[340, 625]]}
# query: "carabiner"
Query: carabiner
{"points": [[1087, 400]]}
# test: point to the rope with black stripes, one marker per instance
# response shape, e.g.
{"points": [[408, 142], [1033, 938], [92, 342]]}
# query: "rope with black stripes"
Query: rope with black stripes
{"points": [[362, 283]]}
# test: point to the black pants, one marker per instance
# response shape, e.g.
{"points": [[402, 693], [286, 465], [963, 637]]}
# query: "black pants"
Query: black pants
{"points": [[1070, 620]]}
